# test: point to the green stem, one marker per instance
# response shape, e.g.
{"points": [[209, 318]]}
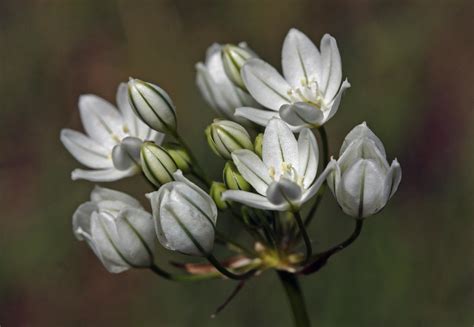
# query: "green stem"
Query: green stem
{"points": [[320, 194], [197, 170], [295, 297], [320, 259], [183, 277], [304, 233]]}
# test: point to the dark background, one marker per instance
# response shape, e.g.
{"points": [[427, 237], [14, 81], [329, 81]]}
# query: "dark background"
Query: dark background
{"points": [[410, 66]]}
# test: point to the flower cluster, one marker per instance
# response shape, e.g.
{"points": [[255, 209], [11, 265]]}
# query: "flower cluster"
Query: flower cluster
{"points": [[266, 133]]}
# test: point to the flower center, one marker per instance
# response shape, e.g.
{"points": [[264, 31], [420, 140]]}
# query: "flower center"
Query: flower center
{"points": [[308, 92], [288, 171]]}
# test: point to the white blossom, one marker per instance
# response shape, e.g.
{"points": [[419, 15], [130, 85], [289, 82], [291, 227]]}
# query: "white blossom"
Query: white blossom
{"points": [[285, 177], [309, 93], [112, 141]]}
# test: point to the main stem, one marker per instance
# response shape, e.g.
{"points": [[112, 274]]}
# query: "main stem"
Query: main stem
{"points": [[295, 297]]}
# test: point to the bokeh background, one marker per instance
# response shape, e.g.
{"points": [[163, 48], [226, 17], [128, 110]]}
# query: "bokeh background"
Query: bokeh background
{"points": [[410, 65]]}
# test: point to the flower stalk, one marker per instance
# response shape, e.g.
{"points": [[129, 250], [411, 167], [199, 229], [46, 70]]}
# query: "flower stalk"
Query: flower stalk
{"points": [[295, 297]]}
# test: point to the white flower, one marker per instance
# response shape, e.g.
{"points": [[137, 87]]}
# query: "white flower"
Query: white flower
{"points": [[216, 87], [111, 146], [185, 217], [311, 90], [285, 176], [117, 228], [363, 181]]}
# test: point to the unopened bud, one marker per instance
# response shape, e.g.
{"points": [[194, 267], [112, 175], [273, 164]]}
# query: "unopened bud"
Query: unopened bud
{"points": [[258, 143], [180, 156], [233, 58], [152, 105], [225, 136], [233, 179], [157, 164], [216, 194]]}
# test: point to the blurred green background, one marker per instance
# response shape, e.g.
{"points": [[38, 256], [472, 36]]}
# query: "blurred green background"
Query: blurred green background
{"points": [[410, 66]]}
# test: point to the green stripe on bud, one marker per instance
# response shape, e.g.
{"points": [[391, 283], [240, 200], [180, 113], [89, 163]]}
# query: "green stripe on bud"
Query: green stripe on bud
{"points": [[152, 105], [225, 136], [157, 164], [233, 179], [180, 156]]}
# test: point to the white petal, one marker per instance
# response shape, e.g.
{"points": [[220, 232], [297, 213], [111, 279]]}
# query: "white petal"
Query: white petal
{"points": [[284, 192], [362, 148], [252, 200], [81, 220], [314, 188], [265, 84], [210, 91], [334, 178], [85, 150], [308, 157], [279, 146], [129, 117], [103, 175], [361, 131], [258, 116], [126, 154], [136, 236], [331, 67], [202, 197], [252, 169], [102, 236], [334, 106], [361, 193], [176, 218], [101, 120], [393, 179], [100, 194], [301, 114], [300, 58]]}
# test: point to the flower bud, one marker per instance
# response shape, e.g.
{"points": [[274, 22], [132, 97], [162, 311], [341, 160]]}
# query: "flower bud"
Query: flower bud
{"points": [[233, 58], [233, 179], [216, 87], [117, 229], [157, 164], [152, 105], [225, 136], [180, 156], [216, 194], [185, 217], [363, 181], [258, 144]]}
